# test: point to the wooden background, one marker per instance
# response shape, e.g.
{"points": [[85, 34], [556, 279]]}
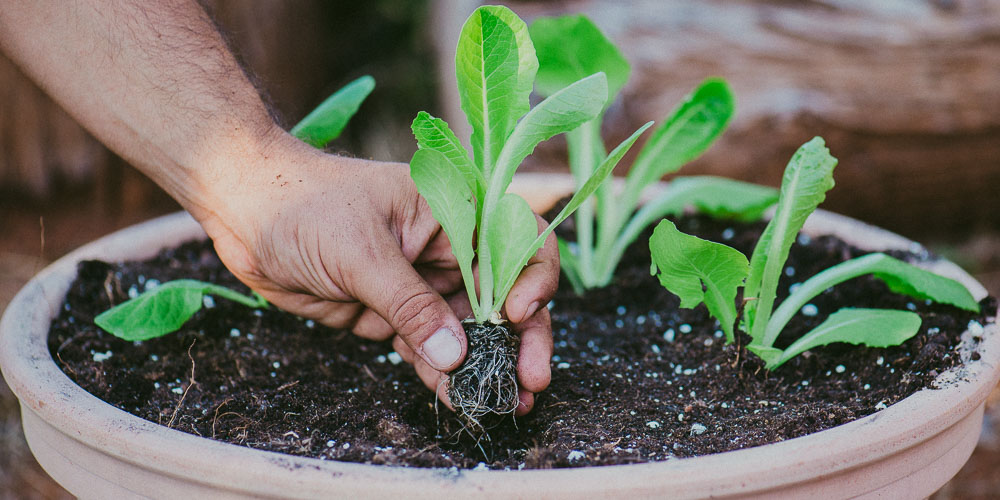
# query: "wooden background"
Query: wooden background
{"points": [[906, 92]]}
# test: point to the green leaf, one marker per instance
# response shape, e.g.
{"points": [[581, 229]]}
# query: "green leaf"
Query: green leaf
{"points": [[871, 327], [434, 133], [165, 309], [602, 172], [495, 67], [699, 271], [687, 133], [452, 205], [564, 111], [901, 277], [807, 178], [572, 47], [327, 121], [512, 230], [716, 196]]}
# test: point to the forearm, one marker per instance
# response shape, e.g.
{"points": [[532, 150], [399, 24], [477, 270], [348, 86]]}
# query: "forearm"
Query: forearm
{"points": [[152, 80]]}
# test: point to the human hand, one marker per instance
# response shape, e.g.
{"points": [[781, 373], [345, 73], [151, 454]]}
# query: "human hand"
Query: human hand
{"points": [[351, 244]]}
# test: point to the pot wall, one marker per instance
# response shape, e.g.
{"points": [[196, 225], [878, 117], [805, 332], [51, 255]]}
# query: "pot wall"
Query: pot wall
{"points": [[97, 451]]}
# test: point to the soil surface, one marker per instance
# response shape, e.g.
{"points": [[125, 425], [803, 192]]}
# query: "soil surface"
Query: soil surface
{"points": [[634, 378]]}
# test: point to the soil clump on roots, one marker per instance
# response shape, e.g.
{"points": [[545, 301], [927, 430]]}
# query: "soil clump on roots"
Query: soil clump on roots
{"points": [[484, 389], [634, 378]]}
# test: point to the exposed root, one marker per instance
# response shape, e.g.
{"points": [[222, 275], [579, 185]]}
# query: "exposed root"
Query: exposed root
{"points": [[484, 389]]}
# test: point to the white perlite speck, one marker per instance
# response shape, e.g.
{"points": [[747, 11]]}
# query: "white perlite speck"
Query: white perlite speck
{"points": [[698, 429], [207, 301], [975, 328], [177, 390], [669, 335], [481, 466], [840, 369], [685, 328], [235, 332], [810, 310], [562, 366], [101, 356], [653, 424], [575, 455], [394, 358]]}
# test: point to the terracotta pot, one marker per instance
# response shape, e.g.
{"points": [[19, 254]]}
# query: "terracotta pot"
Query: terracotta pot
{"points": [[98, 451]]}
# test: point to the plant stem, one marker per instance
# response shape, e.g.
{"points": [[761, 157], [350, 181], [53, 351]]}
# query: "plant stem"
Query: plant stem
{"points": [[254, 301], [582, 162]]}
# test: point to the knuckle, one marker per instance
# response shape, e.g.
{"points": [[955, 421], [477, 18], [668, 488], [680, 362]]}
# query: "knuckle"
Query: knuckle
{"points": [[411, 309]]}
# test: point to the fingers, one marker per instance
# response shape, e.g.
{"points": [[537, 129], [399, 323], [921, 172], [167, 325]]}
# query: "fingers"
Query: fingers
{"points": [[536, 283], [433, 379], [418, 314], [533, 370]]}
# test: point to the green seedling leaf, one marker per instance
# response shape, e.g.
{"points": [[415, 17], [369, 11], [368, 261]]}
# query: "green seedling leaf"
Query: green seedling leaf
{"points": [[165, 309], [603, 171], [563, 111], [452, 205], [715, 196], [495, 65], [513, 228], [699, 271], [327, 121], [570, 266], [434, 133], [572, 47], [807, 178], [901, 277], [687, 133], [870, 327]]}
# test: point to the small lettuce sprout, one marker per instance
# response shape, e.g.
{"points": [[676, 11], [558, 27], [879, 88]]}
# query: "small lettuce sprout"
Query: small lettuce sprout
{"points": [[327, 121], [571, 47], [164, 309], [702, 271], [496, 68]]}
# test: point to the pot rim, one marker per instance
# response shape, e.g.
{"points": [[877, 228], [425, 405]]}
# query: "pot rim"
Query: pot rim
{"points": [[45, 390]]}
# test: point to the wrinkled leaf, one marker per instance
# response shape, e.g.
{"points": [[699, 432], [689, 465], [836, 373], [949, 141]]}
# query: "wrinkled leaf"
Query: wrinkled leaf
{"points": [[452, 205], [495, 67], [699, 271], [165, 309], [327, 121], [434, 133], [807, 178], [871, 327], [572, 47]]}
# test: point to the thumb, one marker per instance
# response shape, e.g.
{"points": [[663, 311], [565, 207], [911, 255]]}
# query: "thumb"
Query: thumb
{"points": [[391, 287]]}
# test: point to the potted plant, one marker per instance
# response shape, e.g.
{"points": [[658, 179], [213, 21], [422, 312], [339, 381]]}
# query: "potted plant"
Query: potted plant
{"points": [[98, 450]]}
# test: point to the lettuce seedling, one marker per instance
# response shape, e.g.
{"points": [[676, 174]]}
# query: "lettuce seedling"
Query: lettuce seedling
{"points": [[327, 121], [702, 271], [496, 67], [164, 309], [571, 47]]}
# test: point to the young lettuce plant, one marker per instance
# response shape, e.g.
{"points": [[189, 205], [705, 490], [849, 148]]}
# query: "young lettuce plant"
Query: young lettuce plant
{"points": [[496, 67], [165, 308], [571, 47], [703, 271]]}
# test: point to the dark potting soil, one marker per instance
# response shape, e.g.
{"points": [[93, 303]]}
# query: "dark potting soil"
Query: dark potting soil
{"points": [[634, 378]]}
